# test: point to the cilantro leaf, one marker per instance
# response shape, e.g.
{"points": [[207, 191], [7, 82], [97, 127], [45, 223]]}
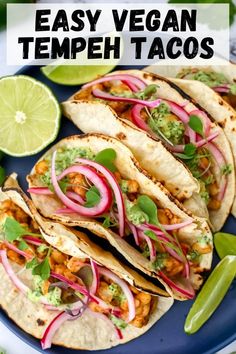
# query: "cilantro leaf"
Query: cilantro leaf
{"points": [[148, 206], [13, 230], [42, 269], [92, 197], [195, 124], [106, 158]]}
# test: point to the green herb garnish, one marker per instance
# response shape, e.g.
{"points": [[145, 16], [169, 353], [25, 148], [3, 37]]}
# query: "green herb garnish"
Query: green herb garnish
{"points": [[92, 197], [148, 206], [106, 158], [195, 124], [14, 231]]}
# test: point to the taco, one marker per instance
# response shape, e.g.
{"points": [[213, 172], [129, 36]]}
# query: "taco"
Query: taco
{"points": [[94, 181], [162, 109], [218, 83], [60, 287]]}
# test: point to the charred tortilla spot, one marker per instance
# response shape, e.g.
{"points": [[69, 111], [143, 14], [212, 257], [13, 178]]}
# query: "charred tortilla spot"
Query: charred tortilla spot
{"points": [[232, 117], [222, 124], [40, 322], [121, 136], [220, 102]]}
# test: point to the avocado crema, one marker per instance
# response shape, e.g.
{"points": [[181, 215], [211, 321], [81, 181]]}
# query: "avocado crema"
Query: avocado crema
{"points": [[142, 213], [217, 81], [46, 264], [161, 122]]}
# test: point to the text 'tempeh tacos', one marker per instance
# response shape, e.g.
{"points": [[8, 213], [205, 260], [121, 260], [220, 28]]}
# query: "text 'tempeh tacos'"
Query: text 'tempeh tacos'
{"points": [[60, 287], [94, 181]]}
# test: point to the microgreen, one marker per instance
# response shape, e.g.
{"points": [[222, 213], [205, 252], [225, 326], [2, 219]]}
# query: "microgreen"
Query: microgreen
{"points": [[14, 231], [195, 124], [148, 206], [92, 197], [40, 268], [106, 158], [108, 222]]}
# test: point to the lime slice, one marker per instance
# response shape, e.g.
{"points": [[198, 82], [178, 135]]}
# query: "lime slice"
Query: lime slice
{"points": [[75, 74], [29, 115]]}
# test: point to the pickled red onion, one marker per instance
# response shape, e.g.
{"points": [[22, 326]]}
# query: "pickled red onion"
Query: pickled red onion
{"points": [[116, 190], [126, 290], [10, 272], [103, 188], [107, 96], [133, 82]]}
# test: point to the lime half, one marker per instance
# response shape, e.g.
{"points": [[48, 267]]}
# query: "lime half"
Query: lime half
{"points": [[75, 74], [29, 115]]}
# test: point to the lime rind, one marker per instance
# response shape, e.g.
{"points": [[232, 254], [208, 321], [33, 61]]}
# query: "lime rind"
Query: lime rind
{"points": [[42, 130], [73, 75]]}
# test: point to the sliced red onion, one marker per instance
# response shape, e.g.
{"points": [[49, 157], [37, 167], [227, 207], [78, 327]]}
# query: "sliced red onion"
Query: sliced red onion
{"points": [[151, 247], [182, 286], [164, 239], [10, 272], [198, 144], [186, 269], [103, 188], [95, 282], [72, 284], [40, 190], [134, 83], [124, 287], [205, 120], [220, 160], [172, 226], [221, 89], [12, 247], [107, 96], [178, 111], [33, 240], [51, 329], [137, 119], [75, 196], [108, 321], [134, 232], [115, 187]]}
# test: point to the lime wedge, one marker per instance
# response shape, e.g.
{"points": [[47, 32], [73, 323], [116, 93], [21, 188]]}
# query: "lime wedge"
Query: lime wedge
{"points": [[75, 74], [29, 115]]}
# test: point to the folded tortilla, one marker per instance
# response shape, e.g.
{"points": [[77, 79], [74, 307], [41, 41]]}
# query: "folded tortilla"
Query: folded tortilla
{"points": [[85, 332], [92, 116], [129, 168], [215, 103]]}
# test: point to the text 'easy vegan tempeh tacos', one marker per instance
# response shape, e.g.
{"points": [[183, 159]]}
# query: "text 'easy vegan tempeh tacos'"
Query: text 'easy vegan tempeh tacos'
{"points": [[94, 181], [60, 287], [160, 108]]}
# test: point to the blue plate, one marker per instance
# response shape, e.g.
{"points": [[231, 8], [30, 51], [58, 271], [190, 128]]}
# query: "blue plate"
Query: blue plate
{"points": [[167, 335]]}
